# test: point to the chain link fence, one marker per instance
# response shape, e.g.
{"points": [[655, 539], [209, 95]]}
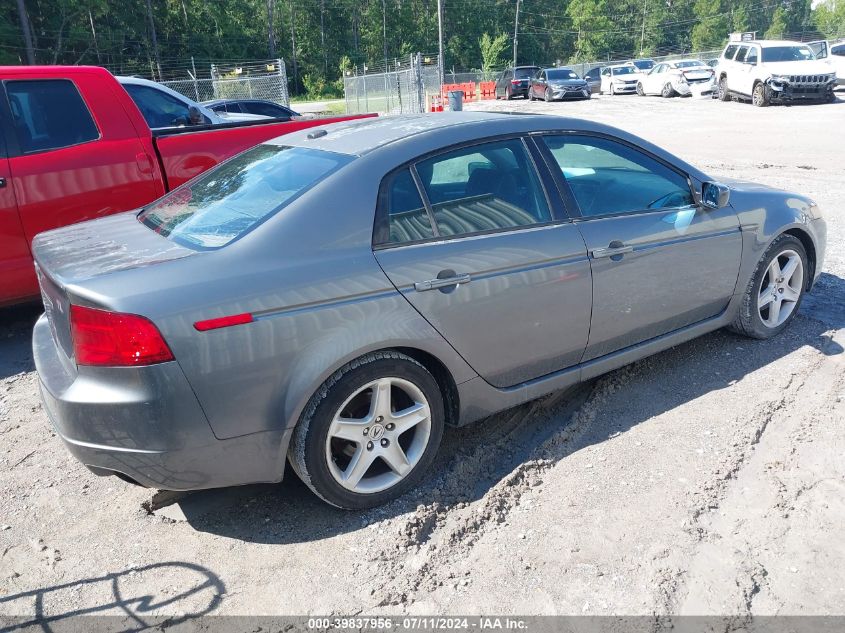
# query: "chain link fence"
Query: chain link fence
{"points": [[398, 87], [254, 80]]}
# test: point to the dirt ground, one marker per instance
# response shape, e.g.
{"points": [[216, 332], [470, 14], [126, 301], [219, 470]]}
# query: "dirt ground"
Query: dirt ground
{"points": [[709, 479]]}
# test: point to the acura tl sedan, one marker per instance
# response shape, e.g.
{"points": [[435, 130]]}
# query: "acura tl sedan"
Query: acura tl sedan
{"points": [[337, 296]]}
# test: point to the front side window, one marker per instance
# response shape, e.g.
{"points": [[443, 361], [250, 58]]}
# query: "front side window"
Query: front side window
{"points": [[751, 58], [483, 188], [740, 56], [160, 109], [231, 199], [839, 51], [49, 114], [607, 177]]}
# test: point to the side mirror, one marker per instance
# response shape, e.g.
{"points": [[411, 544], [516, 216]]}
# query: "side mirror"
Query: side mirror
{"points": [[715, 195]]}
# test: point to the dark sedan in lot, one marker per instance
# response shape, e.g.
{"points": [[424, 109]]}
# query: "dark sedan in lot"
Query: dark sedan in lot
{"points": [[514, 82], [251, 106], [554, 84], [335, 297]]}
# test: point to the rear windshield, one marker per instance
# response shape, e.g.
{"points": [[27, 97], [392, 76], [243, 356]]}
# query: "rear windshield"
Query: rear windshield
{"points": [[230, 200], [787, 53], [689, 64], [524, 73]]}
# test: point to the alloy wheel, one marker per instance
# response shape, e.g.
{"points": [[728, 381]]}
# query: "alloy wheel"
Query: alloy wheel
{"points": [[378, 435], [640, 90], [780, 288]]}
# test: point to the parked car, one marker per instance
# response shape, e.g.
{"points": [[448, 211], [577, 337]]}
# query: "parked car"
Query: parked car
{"points": [[244, 320], [553, 84], [593, 79], [514, 82], [258, 107], [163, 107], [74, 146], [620, 79], [683, 77], [644, 65], [767, 71], [834, 54]]}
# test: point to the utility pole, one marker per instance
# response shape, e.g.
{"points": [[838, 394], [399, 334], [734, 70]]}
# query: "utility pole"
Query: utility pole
{"points": [[271, 36], [27, 34], [154, 38], [384, 30], [515, 33], [440, 39], [642, 33]]}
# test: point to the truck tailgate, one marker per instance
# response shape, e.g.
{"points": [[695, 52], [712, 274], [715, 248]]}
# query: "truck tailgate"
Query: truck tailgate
{"points": [[185, 154]]}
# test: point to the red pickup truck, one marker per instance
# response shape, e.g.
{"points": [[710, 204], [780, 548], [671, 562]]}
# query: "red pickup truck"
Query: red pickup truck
{"points": [[74, 146]]}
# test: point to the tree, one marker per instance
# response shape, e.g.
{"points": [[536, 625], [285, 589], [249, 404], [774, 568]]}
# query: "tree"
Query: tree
{"points": [[491, 50]]}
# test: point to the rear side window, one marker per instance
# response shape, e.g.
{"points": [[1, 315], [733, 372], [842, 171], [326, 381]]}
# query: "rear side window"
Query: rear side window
{"points": [[160, 109], [49, 114], [230, 200], [483, 188], [407, 216]]}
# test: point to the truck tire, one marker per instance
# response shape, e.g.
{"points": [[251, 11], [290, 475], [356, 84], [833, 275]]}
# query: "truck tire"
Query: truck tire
{"points": [[761, 96], [724, 95]]}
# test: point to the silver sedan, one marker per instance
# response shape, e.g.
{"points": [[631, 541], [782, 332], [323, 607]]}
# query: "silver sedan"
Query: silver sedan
{"points": [[335, 297]]}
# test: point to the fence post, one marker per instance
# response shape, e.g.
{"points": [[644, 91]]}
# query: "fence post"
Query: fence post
{"points": [[194, 77], [416, 65], [366, 99]]}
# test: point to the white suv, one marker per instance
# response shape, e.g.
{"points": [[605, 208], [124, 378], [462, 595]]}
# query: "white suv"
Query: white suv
{"points": [[773, 70]]}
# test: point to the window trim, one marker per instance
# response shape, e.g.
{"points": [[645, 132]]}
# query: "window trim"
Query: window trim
{"points": [[13, 145], [570, 199], [381, 224]]}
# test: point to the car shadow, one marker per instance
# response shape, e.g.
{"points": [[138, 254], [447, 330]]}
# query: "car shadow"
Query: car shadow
{"points": [[192, 591], [16, 340], [477, 457]]}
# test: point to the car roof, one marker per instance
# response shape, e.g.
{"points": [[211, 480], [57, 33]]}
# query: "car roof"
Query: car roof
{"points": [[557, 68], [768, 43], [625, 65], [525, 66]]}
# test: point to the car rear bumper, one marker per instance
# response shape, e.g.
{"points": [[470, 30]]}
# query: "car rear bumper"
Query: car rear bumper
{"points": [[145, 423]]}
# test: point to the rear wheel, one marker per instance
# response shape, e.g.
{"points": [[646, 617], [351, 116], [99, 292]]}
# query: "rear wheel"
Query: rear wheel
{"points": [[371, 431], [761, 95], [724, 95], [668, 91], [774, 293]]}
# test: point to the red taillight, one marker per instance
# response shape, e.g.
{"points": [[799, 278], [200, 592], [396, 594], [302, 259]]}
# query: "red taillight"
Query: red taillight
{"points": [[226, 321], [516, 81], [108, 338]]}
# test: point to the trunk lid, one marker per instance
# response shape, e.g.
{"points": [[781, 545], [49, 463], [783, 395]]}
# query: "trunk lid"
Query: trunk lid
{"points": [[72, 254]]}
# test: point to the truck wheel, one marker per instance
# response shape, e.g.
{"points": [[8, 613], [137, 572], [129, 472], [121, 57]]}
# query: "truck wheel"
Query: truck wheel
{"points": [[774, 292], [723, 89], [761, 95], [370, 432]]}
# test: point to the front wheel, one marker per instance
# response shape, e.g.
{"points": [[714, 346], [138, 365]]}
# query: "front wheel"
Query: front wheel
{"points": [[774, 293], [548, 95], [761, 95], [370, 433], [508, 94], [640, 89], [612, 91]]}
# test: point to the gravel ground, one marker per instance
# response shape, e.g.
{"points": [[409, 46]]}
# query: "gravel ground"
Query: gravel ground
{"points": [[708, 479]]}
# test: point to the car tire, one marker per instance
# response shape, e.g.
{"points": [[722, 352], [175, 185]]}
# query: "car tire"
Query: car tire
{"points": [[547, 96], [761, 95], [640, 89], [752, 319], [315, 452], [531, 94], [612, 91], [508, 94], [668, 91], [724, 95]]}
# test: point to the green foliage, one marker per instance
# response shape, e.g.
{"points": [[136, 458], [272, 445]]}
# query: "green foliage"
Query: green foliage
{"points": [[491, 50], [333, 36]]}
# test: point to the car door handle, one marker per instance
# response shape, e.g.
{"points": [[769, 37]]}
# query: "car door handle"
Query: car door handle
{"points": [[442, 282], [613, 249]]}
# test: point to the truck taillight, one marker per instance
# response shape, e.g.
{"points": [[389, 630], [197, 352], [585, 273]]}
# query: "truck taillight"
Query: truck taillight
{"points": [[114, 339]]}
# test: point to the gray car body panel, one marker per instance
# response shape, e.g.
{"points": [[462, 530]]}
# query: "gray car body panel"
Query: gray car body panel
{"points": [[321, 298]]}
